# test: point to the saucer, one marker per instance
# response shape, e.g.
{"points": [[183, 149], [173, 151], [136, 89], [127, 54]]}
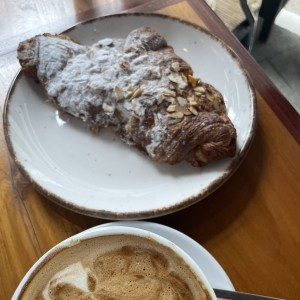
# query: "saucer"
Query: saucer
{"points": [[210, 267]]}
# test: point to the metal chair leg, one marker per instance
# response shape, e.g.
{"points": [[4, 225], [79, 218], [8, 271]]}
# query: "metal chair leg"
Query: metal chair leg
{"points": [[252, 19]]}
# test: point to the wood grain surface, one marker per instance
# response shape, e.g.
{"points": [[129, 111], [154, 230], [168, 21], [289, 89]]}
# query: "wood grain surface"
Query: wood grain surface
{"points": [[251, 225]]}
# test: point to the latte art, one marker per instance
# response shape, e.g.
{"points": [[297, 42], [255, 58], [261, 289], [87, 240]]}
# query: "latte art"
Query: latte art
{"points": [[75, 276], [116, 267]]}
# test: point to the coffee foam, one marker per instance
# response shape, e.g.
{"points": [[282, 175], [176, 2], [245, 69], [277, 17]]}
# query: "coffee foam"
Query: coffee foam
{"points": [[74, 275], [115, 267]]}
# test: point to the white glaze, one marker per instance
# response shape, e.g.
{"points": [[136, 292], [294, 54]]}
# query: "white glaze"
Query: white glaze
{"points": [[81, 76]]}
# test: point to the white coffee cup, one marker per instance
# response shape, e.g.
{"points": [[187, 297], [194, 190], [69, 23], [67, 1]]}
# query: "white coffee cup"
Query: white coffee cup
{"points": [[112, 231]]}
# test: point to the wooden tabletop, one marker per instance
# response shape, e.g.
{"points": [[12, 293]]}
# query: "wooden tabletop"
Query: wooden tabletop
{"points": [[251, 225]]}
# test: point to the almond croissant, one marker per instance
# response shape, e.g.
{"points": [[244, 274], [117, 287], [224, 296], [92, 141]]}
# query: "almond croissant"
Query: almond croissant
{"points": [[137, 87]]}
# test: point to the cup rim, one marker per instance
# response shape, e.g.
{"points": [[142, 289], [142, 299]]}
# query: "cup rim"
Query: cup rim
{"points": [[104, 231]]}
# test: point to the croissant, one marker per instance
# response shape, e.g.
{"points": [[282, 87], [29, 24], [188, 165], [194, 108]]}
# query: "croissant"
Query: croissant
{"points": [[137, 87]]}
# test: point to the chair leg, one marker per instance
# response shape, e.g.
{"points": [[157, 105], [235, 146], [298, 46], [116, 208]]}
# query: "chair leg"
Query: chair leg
{"points": [[252, 35], [268, 12], [252, 19]]}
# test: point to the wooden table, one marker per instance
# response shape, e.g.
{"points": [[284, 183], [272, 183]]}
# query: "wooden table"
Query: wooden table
{"points": [[251, 225]]}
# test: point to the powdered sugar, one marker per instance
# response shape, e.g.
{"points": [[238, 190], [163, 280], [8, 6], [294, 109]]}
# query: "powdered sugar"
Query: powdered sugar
{"points": [[157, 135], [103, 78]]}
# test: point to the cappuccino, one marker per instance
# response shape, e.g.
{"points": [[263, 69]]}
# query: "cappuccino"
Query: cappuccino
{"points": [[120, 266]]}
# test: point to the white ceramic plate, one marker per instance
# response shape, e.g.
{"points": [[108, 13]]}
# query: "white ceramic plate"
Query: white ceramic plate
{"points": [[100, 176], [208, 264]]}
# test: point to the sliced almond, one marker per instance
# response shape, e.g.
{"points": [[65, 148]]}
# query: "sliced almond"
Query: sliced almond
{"points": [[199, 89], [138, 92], [155, 73], [175, 66], [177, 115], [183, 109], [181, 101], [129, 95], [107, 108], [192, 101], [183, 84], [167, 92], [210, 97], [171, 108], [187, 112], [193, 80], [193, 110], [118, 93], [180, 80], [124, 64], [174, 77], [184, 78]]}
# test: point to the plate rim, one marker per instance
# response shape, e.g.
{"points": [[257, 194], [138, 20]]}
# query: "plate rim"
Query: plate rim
{"points": [[142, 214]]}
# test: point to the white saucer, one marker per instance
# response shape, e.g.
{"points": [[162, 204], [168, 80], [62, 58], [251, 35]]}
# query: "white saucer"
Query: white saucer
{"points": [[210, 267]]}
